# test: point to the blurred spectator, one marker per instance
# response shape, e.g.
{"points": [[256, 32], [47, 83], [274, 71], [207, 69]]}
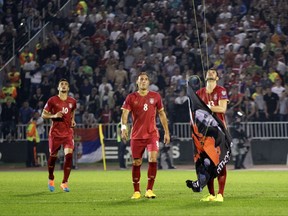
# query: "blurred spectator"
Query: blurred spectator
{"points": [[265, 81], [248, 108], [80, 108], [25, 113], [14, 77], [36, 97], [153, 86], [60, 72], [88, 119], [170, 67], [272, 74], [48, 68], [33, 140], [119, 96], [28, 67], [9, 118], [97, 77], [8, 92], [93, 102], [181, 107], [45, 88], [85, 89], [278, 88], [106, 98], [111, 53], [110, 65], [86, 70], [36, 78], [121, 76], [272, 104], [92, 58], [87, 28], [176, 77], [26, 52], [116, 115], [106, 115], [103, 85], [261, 110], [235, 100], [283, 106]]}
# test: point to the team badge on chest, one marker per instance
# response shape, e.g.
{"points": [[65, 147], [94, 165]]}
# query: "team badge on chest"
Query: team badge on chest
{"points": [[151, 100], [215, 97], [70, 105]]}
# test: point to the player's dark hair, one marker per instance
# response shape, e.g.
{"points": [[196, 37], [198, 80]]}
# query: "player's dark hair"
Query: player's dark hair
{"points": [[63, 80], [143, 73]]}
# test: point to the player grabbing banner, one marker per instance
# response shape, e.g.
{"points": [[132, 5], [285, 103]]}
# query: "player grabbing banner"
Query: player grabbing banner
{"points": [[61, 110], [144, 105], [216, 98]]}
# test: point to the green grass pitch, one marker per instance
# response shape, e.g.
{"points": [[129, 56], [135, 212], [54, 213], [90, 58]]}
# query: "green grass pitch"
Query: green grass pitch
{"points": [[248, 192]]}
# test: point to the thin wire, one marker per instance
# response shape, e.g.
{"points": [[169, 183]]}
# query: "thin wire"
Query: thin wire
{"points": [[206, 35], [198, 38]]}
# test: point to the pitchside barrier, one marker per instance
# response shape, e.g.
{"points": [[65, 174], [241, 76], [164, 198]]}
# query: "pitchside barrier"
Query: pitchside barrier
{"points": [[181, 131], [268, 143]]}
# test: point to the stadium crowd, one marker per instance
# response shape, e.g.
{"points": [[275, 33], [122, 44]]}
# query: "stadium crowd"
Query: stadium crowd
{"points": [[102, 45]]}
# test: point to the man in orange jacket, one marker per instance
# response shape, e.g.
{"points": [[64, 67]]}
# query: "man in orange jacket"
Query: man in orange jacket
{"points": [[33, 139]]}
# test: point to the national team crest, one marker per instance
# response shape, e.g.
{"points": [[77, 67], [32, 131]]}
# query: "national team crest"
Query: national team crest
{"points": [[215, 97], [151, 100], [70, 105]]}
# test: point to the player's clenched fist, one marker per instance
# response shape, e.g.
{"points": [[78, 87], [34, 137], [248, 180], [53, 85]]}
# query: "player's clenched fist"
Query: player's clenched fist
{"points": [[59, 114]]}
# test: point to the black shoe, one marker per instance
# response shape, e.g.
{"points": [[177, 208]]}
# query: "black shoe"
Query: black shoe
{"points": [[194, 185], [172, 167], [160, 167]]}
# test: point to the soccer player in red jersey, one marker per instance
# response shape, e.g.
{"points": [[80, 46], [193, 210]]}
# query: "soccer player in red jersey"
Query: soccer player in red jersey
{"points": [[216, 98], [61, 110], [144, 105]]}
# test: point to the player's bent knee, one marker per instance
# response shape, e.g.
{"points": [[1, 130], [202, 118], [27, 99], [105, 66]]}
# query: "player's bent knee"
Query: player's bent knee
{"points": [[137, 162], [152, 160]]}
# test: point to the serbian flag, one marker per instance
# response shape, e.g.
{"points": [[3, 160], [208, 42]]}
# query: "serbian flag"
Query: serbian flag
{"points": [[90, 139]]}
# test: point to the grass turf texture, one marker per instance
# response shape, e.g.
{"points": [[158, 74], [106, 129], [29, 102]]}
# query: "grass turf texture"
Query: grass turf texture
{"points": [[108, 193]]}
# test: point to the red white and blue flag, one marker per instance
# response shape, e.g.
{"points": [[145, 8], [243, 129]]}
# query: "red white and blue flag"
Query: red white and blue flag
{"points": [[89, 139]]}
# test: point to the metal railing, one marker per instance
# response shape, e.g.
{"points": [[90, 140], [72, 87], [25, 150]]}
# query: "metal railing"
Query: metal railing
{"points": [[254, 130], [38, 37], [182, 131]]}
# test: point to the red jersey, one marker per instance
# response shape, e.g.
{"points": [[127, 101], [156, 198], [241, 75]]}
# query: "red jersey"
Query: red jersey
{"points": [[219, 93], [143, 110], [61, 127]]}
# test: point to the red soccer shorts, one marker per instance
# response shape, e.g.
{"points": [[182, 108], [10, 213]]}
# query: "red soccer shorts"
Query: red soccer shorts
{"points": [[138, 146], [56, 142]]}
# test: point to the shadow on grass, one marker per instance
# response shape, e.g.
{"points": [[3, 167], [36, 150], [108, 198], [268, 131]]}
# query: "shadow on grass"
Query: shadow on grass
{"points": [[131, 202], [42, 193]]}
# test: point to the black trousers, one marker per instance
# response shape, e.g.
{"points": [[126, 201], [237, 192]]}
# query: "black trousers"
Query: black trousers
{"points": [[30, 154]]}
